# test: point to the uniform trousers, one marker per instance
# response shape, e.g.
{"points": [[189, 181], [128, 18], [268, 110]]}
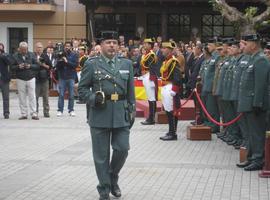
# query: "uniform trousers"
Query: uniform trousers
{"points": [[4, 86], [149, 86], [42, 90], [167, 99], [27, 89], [212, 108], [107, 170], [256, 126]]}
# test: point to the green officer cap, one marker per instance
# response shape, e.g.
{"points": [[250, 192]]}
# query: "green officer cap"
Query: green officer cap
{"points": [[251, 37]]}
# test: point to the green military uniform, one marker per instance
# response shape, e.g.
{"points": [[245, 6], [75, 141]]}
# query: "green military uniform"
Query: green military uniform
{"points": [[233, 130], [253, 102], [238, 68], [202, 71], [211, 102], [109, 122]]}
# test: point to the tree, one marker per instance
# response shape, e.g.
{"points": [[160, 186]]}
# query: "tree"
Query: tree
{"points": [[248, 20]]}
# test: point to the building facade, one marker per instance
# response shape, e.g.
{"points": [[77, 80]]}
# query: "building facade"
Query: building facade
{"points": [[40, 20], [182, 20]]}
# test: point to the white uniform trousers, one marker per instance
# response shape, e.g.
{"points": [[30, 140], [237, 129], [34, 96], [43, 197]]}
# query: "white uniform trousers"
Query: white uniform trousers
{"points": [[149, 87], [27, 89], [166, 97]]}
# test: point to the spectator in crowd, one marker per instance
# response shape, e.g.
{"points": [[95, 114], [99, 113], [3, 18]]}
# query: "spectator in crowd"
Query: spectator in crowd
{"points": [[42, 78], [65, 66], [4, 80], [25, 65], [194, 69], [122, 40]]}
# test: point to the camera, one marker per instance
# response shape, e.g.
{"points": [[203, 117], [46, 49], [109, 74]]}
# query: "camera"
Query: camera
{"points": [[41, 60], [59, 51]]}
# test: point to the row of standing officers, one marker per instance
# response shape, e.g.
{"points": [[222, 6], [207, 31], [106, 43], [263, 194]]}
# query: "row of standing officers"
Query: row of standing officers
{"points": [[235, 79]]}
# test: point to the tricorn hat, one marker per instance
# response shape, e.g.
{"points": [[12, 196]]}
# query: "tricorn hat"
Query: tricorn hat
{"points": [[149, 40], [170, 45]]}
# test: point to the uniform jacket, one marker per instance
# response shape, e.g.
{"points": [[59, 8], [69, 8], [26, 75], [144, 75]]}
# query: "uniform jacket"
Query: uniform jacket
{"points": [[170, 72], [148, 64], [220, 74], [210, 73], [114, 113], [254, 84], [227, 83], [25, 74], [236, 76]]}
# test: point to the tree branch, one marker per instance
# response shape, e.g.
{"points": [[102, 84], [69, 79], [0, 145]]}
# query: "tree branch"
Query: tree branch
{"points": [[263, 16], [231, 13]]}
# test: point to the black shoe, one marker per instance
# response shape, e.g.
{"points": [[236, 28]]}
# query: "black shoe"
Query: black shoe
{"points": [[169, 137], [6, 116], [243, 164], [115, 190], [193, 123], [23, 118], [148, 122], [253, 167], [80, 102], [47, 115], [104, 197], [35, 118], [232, 142], [236, 146]]}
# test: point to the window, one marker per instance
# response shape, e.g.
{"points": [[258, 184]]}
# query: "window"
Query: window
{"points": [[178, 26], [153, 25], [123, 23], [216, 25], [16, 35]]}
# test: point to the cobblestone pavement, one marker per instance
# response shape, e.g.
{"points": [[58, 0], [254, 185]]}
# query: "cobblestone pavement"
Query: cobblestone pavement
{"points": [[52, 159]]}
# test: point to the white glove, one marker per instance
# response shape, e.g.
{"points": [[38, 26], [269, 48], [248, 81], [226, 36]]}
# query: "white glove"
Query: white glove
{"points": [[173, 93], [152, 84]]}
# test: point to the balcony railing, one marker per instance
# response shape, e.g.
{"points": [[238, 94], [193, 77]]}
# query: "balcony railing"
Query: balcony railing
{"points": [[27, 5], [26, 1]]}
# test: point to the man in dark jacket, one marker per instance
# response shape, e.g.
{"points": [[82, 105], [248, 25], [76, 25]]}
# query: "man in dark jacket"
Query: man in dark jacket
{"points": [[25, 65], [195, 67], [66, 65], [42, 78], [4, 80]]}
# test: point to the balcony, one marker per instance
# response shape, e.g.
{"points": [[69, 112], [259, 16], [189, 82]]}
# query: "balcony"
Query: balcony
{"points": [[27, 6]]}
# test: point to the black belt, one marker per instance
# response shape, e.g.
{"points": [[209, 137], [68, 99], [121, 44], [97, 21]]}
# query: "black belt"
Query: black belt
{"points": [[115, 97]]}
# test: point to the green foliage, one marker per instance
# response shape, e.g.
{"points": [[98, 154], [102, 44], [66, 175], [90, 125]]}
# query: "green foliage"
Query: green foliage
{"points": [[250, 12], [215, 6]]}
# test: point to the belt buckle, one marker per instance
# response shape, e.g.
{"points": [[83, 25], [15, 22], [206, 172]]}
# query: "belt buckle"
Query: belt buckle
{"points": [[114, 97]]}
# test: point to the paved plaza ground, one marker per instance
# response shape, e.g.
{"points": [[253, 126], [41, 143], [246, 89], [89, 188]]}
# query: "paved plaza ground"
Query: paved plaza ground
{"points": [[52, 159]]}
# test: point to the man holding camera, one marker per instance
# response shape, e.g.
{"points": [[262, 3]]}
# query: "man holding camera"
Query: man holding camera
{"points": [[67, 61], [25, 65], [107, 85], [42, 78]]}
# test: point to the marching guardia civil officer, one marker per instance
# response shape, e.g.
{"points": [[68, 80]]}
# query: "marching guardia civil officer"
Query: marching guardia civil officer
{"points": [[253, 101], [150, 79], [107, 86], [171, 85]]}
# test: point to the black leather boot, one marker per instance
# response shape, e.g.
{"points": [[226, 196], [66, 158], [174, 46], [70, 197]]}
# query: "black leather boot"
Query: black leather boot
{"points": [[171, 135], [152, 110]]}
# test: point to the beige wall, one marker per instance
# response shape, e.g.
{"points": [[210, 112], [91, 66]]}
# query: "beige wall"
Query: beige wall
{"points": [[50, 25]]}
